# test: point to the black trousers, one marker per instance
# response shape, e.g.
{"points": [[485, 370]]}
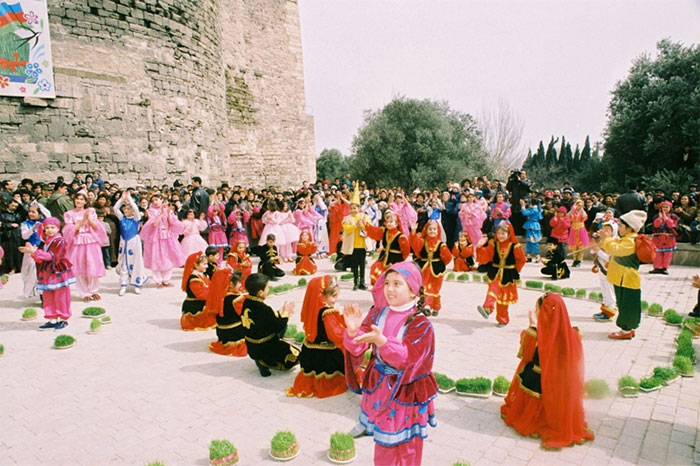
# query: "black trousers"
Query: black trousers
{"points": [[357, 265]]}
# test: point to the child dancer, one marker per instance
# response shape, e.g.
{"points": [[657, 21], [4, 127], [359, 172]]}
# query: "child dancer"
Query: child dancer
{"points": [[162, 252], [472, 216], [664, 228], [270, 259], [192, 240], [196, 285], [578, 236], [265, 327], [354, 236], [338, 210], [504, 259], [322, 363], [560, 224], [623, 272], [601, 260], [84, 234], [225, 301], [321, 226], [54, 274], [553, 262], [212, 253], [217, 228], [432, 256], [533, 233], [238, 220], [463, 252], [130, 263], [394, 246], [291, 234], [273, 219], [29, 231], [305, 249], [500, 210], [402, 340], [404, 212], [546, 395], [239, 259]]}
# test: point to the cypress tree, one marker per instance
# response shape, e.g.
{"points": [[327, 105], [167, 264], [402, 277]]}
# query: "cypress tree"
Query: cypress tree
{"points": [[551, 155], [586, 152]]}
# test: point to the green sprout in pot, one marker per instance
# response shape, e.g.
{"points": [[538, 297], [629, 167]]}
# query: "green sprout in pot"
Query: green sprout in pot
{"points": [[156, 463], [2, 350], [645, 305], [684, 365], [478, 385], [450, 276], [346, 276], [501, 385], [534, 284], [665, 373], [460, 463], [464, 277], [106, 320], [93, 311], [672, 317], [568, 291], [95, 325], [333, 257], [686, 349], [597, 389], [301, 282], [63, 341], [628, 385], [650, 383], [29, 314], [444, 382], [222, 453], [290, 331], [284, 445], [655, 309], [581, 293], [342, 447], [299, 337]]}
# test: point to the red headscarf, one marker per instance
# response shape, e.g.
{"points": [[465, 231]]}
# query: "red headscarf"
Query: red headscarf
{"points": [[430, 241], [189, 267], [561, 360], [511, 232], [306, 230], [314, 300], [218, 288]]}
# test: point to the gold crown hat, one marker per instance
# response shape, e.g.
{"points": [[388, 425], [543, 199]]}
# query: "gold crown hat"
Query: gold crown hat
{"points": [[356, 194]]}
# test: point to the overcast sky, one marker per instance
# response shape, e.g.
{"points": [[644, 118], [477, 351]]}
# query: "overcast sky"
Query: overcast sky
{"points": [[555, 62]]}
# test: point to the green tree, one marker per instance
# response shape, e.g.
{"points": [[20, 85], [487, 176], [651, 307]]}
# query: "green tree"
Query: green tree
{"points": [[331, 164], [586, 151], [413, 143], [551, 154], [653, 117], [577, 160]]}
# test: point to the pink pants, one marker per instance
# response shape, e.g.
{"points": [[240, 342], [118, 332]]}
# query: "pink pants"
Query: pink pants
{"points": [[57, 303], [162, 276], [663, 259], [87, 286], [404, 454], [286, 251]]}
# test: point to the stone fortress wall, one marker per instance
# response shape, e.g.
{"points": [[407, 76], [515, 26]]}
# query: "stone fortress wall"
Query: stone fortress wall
{"points": [[156, 90]]}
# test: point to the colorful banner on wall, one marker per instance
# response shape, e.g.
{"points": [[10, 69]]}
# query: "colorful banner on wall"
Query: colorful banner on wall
{"points": [[26, 66]]}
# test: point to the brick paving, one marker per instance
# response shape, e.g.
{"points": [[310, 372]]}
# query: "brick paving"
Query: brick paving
{"points": [[143, 390]]}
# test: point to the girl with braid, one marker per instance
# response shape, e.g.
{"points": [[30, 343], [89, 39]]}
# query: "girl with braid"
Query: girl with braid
{"points": [[398, 387]]}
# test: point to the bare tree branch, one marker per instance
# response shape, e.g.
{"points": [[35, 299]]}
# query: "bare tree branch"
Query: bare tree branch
{"points": [[502, 134]]}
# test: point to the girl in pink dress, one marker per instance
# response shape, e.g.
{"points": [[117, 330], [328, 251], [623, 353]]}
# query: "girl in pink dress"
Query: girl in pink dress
{"points": [[664, 228], [161, 251], [472, 216], [398, 386], [404, 211], [291, 234], [238, 219], [84, 235], [192, 240], [500, 210], [578, 236], [272, 219], [217, 228]]}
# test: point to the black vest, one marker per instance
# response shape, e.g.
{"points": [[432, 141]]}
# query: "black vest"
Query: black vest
{"points": [[507, 264]]}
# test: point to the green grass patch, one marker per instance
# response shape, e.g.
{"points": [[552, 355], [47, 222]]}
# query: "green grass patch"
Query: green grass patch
{"points": [[628, 385], [443, 381], [299, 337], [450, 276], [156, 463], [686, 349], [464, 277], [2, 350], [281, 288], [334, 256], [342, 441], [93, 311], [220, 449], [480, 385], [645, 305], [648, 383], [581, 293], [568, 291], [597, 389], [29, 313], [671, 316], [501, 384], [301, 282], [290, 331], [684, 365], [346, 276], [282, 441], [63, 340], [95, 325], [534, 284], [106, 319], [665, 373], [655, 309]]}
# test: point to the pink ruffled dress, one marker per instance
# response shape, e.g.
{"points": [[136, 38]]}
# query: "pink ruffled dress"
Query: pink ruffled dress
{"points": [[472, 217], [193, 241], [161, 251], [273, 225], [84, 246]]}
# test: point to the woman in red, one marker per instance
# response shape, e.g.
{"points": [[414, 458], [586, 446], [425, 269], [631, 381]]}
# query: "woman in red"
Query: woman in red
{"points": [[196, 285], [504, 259], [394, 247], [463, 251], [338, 210], [432, 256], [664, 237], [546, 395], [239, 259], [306, 247], [322, 362]]}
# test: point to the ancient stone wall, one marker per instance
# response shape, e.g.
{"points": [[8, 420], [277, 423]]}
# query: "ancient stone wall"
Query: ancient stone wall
{"points": [[155, 90]]}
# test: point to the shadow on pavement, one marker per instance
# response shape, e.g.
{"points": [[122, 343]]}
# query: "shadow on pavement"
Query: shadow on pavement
{"points": [[171, 324], [199, 346]]}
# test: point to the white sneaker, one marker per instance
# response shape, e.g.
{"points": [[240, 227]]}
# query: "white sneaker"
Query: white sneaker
{"points": [[137, 290], [122, 291]]}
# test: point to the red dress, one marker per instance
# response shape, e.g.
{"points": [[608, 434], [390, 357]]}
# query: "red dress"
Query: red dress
{"points": [[395, 248], [546, 393], [194, 315], [305, 265], [242, 263], [464, 262], [432, 256], [336, 213], [560, 228]]}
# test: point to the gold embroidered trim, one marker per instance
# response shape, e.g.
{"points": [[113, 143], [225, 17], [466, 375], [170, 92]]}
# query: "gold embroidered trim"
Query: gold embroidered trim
{"points": [[527, 390], [261, 340], [226, 327]]}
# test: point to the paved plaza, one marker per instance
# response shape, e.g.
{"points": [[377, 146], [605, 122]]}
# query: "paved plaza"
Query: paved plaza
{"points": [[144, 390]]}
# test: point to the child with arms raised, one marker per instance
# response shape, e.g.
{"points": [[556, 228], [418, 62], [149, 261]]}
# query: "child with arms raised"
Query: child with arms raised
{"points": [[162, 252], [130, 266]]}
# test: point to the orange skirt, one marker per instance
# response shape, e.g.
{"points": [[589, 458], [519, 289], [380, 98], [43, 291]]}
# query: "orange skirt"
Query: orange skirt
{"points": [[305, 267], [202, 320], [232, 348], [307, 385]]}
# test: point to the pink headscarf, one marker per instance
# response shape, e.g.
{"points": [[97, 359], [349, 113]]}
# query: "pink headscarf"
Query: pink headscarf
{"points": [[408, 270], [48, 221]]}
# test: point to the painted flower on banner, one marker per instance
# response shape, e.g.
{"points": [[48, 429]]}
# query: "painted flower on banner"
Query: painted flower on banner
{"points": [[44, 85], [33, 70], [31, 18], [4, 82], [23, 89]]}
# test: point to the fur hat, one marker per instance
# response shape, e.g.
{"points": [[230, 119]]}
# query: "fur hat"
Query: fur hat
{"points": [[552, 240], [634, 219]]}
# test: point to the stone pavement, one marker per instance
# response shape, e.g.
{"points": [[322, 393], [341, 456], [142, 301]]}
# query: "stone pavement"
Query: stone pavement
{"points": [[143, 390]]}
